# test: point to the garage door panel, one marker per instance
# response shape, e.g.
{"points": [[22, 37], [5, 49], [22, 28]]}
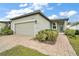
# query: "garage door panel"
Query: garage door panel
{"points": [[25, 28]]}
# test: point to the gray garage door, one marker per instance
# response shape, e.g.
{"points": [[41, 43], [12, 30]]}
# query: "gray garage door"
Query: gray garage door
{"points": [[26, 28]]}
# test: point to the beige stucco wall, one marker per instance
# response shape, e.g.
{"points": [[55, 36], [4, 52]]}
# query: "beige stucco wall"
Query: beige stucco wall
{"points": [[21, 20], [2, 25], [65, 25], [41, 24]]}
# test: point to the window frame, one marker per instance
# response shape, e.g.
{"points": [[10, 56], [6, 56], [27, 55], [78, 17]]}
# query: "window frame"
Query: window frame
{"points": [[54, 24]]}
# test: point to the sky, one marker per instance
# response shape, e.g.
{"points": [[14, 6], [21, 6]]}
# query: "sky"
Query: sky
{"points": [[51, 10]]}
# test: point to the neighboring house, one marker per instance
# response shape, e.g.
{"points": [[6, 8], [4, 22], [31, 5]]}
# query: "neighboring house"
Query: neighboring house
{"points": [[29, 24], [3, 24], [75, 27]]}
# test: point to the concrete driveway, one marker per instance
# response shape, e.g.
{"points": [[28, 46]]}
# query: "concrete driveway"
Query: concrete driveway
{"points": [[61, 48]]}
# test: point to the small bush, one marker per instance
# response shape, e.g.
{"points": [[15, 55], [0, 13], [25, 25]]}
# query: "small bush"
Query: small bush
{"points": [[6, 31], [70, 32], [41, 37], [47, 35], [77, 32]]}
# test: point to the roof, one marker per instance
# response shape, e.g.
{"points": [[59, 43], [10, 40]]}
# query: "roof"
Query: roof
{"points": [[76, 27], [5, 21], [61, 19], [38, 12], [29, 14]]}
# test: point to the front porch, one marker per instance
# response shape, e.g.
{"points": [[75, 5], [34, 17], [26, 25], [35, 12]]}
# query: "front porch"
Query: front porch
{"points": [[59, 25]]}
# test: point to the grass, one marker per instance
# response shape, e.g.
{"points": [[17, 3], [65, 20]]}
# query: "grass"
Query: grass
{"points": [[21, 51], [75, 43]]}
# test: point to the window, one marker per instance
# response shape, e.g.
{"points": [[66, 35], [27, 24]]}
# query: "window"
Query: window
{"points": [[54, 25]]}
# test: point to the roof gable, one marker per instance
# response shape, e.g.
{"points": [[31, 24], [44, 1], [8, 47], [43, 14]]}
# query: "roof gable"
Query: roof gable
{"points": [[29, 14], [40, 13]]}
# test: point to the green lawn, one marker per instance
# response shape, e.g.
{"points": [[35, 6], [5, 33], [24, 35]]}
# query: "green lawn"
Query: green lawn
{"points": [[21, 51], [75, 43]]}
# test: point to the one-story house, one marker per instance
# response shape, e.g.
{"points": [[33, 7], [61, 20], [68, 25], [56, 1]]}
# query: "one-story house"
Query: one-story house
{"points": [[74, 27], [29, 24]]}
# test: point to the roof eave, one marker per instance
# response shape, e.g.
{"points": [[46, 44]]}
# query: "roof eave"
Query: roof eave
{"points": [[60, 19], [32, 13]]}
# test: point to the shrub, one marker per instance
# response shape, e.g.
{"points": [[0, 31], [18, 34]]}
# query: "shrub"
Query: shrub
{"points": [[41, 37], [77, 32], [6, 31], [47, 35], [55, 34], [70, 32], [51, 35]]}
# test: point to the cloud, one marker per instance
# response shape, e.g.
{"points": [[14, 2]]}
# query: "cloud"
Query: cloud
{"points": [[50, 8], [27, 9], [53, 17], [59, 4], [63, 13], [38, 6], [14, 13], [71, 13], [30, 8], [23, 5], [68, 13]]}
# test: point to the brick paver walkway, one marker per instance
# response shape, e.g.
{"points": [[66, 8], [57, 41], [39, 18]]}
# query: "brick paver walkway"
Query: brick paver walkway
{"points": [[61, 48]]}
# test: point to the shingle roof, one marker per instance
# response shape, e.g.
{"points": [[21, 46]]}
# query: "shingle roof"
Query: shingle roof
{"points": [[29, 14], [37, 12], [5, 21], [61, 19]]}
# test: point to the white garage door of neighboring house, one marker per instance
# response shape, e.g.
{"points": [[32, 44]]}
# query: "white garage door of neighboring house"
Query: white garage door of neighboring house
{"points": [[26, 28]]}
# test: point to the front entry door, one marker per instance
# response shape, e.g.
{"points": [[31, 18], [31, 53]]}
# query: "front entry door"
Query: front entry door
{"points": [[61, 28]]}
